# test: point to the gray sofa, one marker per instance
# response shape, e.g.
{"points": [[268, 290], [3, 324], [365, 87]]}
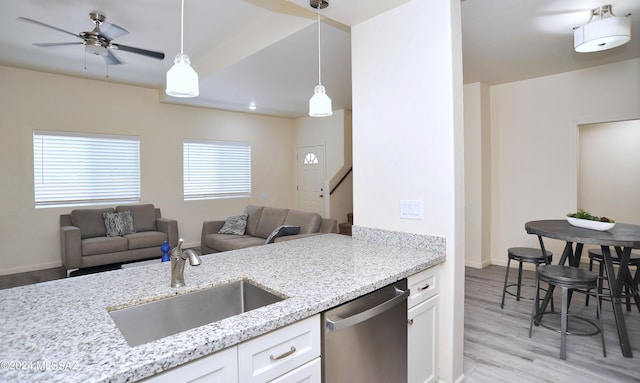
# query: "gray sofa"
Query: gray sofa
{"points": [[261, 222], [84, 241]]}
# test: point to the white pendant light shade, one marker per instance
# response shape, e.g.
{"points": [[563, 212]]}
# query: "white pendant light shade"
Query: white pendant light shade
{"points": [[182, 79], [605, 33], [320, 103]]}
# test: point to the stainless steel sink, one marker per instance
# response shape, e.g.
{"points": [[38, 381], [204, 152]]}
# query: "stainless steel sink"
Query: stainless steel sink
{"points": [[154, 320]]}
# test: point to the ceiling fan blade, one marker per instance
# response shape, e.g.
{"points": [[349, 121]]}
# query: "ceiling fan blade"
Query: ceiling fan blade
{"points": [[57, 44], [144, 52], [112, 31], [111, 59], [28, 20]]}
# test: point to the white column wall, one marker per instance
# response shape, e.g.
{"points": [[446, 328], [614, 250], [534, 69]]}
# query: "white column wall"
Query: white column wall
{"points": [[407, 140]]}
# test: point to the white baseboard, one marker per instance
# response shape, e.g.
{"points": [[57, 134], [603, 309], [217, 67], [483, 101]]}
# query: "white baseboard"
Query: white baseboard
{"points": [[188, 245], [25, 269], [477, 265]]}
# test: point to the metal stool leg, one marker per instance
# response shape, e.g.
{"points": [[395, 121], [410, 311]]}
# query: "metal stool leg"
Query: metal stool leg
{"points": [[506, 279], [563, 323], [536, 301], [599, 311], [519, 281], [586, 300]]}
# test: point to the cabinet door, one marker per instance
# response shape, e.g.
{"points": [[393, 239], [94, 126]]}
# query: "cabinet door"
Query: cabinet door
{"points": [[422, 342], [309, 373], [221, 367]]}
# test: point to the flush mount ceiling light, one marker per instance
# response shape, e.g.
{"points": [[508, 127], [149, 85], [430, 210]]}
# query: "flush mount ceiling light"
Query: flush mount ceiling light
{"points": [[603, 31], [320, 103], [182, 80]]}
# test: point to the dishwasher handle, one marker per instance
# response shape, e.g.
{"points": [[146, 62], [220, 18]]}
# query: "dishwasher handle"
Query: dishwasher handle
{"points": [[340, 323]]}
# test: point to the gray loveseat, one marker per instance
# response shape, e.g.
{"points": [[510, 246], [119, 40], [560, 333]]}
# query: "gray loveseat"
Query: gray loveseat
{"points": [[260, 224], [84, 241]]}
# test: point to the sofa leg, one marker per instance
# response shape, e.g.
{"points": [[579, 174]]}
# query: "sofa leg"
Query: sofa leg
{"points": [[69, 271]]}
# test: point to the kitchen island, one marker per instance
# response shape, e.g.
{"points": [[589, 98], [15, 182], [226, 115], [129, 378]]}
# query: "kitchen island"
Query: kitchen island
{"points": [[61, 331]]}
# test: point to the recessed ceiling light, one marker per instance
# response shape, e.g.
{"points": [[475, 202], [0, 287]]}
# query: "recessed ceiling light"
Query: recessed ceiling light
{"points": [[252, 106]]}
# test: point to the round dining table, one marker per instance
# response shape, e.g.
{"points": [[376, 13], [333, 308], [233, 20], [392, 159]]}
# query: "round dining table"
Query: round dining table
{"points": [[622, 237]]}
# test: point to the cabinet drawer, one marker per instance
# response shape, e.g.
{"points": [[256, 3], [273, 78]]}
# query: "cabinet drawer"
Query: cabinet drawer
{"points": [[221, 367], [268, 356], [309, 373], [423, 286]]}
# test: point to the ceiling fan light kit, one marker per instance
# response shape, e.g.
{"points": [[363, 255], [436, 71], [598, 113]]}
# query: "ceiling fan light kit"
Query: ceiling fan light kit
{"points": [[606, 32], [320, 103], [182, 79]]}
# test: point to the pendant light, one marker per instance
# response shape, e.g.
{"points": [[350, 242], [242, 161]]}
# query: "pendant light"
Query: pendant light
{"points": [[182, 80], [320, 103]]}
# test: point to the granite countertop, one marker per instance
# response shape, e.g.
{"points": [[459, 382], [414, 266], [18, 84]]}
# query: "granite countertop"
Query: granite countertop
{"points": [[60, 331]]}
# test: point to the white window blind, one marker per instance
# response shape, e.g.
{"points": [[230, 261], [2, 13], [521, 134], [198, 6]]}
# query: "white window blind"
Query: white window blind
{"points": [[79, 169], [215, 169]]}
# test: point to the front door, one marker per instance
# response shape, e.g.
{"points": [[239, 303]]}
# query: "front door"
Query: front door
{"points": [[310, 169]]}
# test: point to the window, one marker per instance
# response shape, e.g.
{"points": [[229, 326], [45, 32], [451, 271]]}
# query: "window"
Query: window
{"points": [[80, 169], [310, 159], [216, 169]]}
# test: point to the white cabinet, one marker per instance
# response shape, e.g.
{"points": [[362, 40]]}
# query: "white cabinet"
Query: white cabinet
{"points": [[422, 334], [221, 367], [271, 355], [287, 355], [309, 373]]}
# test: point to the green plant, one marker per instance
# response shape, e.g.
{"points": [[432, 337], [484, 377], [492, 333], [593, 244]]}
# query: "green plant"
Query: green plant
{"points": [[583, 214]]}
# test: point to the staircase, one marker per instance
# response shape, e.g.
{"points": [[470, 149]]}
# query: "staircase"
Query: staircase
{"points": [[345, 227]]}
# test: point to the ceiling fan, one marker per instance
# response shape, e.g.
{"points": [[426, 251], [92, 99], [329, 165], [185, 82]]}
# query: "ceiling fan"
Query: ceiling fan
{"points": [[99, 41]]}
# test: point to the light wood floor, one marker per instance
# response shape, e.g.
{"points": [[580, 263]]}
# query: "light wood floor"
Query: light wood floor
{"points": [[497, 346]]}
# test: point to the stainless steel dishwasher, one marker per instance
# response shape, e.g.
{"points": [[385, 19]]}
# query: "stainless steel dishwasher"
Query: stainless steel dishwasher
{"points": [[365, 340]]}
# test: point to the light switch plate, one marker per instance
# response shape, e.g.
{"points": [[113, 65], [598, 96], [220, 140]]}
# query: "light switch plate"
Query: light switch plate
{"points": [[411, 209]]}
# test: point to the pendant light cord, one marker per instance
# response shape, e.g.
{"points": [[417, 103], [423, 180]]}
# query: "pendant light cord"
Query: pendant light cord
{"points": [[182, 29], [319, 56]]}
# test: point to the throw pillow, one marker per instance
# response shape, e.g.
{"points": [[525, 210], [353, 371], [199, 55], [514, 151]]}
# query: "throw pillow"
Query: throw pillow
{"points": [[118, 224], [235, 225], [281, 231]]}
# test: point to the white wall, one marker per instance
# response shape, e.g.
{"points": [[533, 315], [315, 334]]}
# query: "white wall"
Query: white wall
{"points": [[407, 140], [39, 101], [477, 183], [534, 140]]}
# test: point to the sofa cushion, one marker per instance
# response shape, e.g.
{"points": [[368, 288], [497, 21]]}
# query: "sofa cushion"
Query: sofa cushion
{"points": [[254, 213], [235, 225], [146, 239], [118, 224], [270, 219], [90, 222], [282, 231], [144, 216], [226, 242], [103, 245], [308, 222]]}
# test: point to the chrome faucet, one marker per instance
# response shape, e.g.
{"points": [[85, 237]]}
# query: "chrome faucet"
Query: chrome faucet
{"points": [[178, 258]]}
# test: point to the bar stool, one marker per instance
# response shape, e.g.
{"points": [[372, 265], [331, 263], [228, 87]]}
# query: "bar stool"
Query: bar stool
{"points": [[521, 255], [567, 278], [632, 283]]}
